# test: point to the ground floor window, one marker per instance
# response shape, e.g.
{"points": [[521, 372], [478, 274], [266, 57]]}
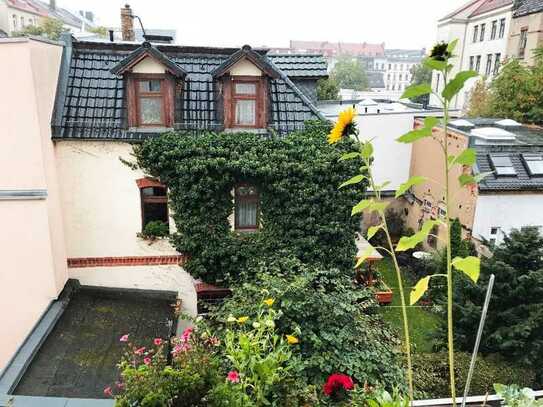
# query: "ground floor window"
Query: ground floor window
{"points": [[154, 202], [246, 208]]}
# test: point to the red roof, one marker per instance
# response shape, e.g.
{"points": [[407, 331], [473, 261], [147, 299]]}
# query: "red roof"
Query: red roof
{"points": [[27, 6], [490, 5], [338, 48]]}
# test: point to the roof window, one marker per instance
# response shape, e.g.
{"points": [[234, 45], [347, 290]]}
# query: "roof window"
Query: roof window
{"points": [[534, 163], [493, 134], [502, 165]]}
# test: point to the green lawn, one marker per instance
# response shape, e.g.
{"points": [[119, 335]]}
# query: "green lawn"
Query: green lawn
{"points": [[422, 322]]}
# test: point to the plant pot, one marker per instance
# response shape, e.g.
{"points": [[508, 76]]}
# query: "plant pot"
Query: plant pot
{"points": [[383, 295]]}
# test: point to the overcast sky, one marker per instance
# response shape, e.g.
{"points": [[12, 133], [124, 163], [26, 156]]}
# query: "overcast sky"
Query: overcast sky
{"points": [[397, 23]]}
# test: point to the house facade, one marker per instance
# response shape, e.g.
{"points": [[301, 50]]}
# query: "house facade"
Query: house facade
{"points": [[526, 33], [95, 101], [510, 197], [482, 29]]}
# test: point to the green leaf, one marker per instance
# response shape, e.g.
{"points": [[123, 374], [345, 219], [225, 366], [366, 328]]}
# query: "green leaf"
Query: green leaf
{"points": [[429, 123], [466, 179], [466, 157], [452, 45], [367, 150], [416, 90], [349, 156], [416, 180], [379, 187], [471, 266], [432, 63], [354, 180], [409, 242], [378, 206], [454, 86], [363, 256], [418, 291], [360, 206], [372, 230]]}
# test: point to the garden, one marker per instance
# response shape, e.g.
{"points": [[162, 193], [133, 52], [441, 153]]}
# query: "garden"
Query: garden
{"points": [[298, 328]]}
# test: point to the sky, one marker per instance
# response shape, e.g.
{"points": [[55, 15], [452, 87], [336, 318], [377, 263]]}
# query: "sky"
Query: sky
{"points": [[397, 23]]}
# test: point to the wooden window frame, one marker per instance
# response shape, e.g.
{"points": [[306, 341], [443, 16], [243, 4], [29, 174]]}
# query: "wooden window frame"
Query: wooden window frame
{"points": [[166, 94], [523, 38], [147, 183], [255, 198], [260, 98]]}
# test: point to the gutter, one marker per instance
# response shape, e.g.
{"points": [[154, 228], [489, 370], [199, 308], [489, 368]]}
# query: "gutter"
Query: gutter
{"points": [[62, 84]]}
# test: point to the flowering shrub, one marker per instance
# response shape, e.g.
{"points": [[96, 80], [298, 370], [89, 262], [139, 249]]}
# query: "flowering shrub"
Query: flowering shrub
{"points": [[148, 380], [337, 386], [260, 359]]}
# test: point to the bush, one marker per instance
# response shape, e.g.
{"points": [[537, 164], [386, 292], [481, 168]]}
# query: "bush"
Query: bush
{"points": [[297, 177], [155, 229], [431, 374], [340, 328]]}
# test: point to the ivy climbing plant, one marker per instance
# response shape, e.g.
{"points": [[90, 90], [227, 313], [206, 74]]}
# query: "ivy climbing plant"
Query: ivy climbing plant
{"points": [[439, 60], [302, 212]]}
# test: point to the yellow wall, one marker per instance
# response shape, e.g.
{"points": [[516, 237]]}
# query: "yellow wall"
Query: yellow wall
{"points": [[534, 23]]}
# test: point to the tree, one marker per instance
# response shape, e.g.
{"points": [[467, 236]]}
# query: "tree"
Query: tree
{"points": [[479, 104], [100, 30], [349, 73], [514, 325], [421, 74], [327, 89], [49, 28]]}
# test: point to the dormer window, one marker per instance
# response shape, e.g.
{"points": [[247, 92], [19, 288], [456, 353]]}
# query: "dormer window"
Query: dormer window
{"points": [[246, 101], [150, 103]]}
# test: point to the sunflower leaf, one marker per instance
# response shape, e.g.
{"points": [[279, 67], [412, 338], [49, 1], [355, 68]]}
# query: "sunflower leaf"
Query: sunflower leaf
{"points": [[402, 189], [360, 206], [349, 156], [372, 230], [471, 266], [416, 90], [363, 256], [454, 86], [409, 242], [418, 291], [367, 150], [434, 64], [354, 180], [466, 157]]}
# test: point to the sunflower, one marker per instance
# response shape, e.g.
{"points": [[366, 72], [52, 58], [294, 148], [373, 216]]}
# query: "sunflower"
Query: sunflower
{"points": [[344, 125]]}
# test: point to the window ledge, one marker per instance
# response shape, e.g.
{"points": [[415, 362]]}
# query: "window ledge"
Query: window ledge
{"points": [[150, 129], [246, 130]]}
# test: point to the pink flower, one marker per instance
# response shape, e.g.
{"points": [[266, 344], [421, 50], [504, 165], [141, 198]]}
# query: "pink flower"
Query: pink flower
{"points": [[124, 338], [140, 351], [119, 385], [233, 376], [108, 392], [185, 336], [147, 361], [157, 341]]}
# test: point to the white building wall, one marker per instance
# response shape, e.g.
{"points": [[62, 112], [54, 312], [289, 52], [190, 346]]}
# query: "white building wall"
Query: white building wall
{"points": [[505, 212]]}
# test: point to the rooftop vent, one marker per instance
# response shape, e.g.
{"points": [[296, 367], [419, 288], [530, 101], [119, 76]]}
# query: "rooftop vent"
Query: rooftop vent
{"points": [[367, 102], [461, 123], [493, 134], [508, 123]]}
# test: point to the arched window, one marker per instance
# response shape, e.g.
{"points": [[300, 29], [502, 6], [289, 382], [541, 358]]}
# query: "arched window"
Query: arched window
{"points": [[154, 202], [247, 208]]}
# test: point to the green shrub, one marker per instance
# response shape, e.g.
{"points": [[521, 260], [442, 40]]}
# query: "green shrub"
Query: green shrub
{"points": [[297, 177], [431, 372], [155, 229], [340, 328]]}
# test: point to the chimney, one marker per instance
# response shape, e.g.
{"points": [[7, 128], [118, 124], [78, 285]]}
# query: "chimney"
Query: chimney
{"points": [[52, 4], [127, 24]]}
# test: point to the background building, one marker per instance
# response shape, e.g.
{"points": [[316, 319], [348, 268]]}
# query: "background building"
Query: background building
{"points": [[481, 28], [526, 31]]}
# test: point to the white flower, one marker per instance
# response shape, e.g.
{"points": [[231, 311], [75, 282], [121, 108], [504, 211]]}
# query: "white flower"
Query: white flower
{"points": [[231, 319], [256, 325], [270, 323]]}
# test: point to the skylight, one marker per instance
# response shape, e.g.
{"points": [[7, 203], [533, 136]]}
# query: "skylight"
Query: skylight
{"points": [[493, 133], [502, 165], [462, 123], [534, 163], [508, 123]]}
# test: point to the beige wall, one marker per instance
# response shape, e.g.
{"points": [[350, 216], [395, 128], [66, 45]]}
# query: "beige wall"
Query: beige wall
{"points": [[245, 68], [427, 160], [33, 269], [534, 23], [6, 18], [101, 201]]}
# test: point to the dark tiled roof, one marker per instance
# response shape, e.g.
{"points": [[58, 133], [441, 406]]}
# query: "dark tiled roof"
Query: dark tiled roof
{"points": [[93, 106], [525, 7], [301, 65], [260, 62]]}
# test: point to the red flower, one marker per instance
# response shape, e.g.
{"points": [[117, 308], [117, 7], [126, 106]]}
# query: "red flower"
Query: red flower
{"points": [[157, 341], [233, 376], [108, 392], [336, 382], [147, 361], [140, 351]]}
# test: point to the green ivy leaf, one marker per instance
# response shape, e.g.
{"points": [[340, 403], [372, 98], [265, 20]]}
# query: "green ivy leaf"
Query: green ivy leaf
{"points": [[454, 86], [466, 157], [416, 90], [360, 206], [372, 230], [432, 63], [471, 266], [363, 256], [418, 291], [416, 180], [349, 156], [354, 180]]}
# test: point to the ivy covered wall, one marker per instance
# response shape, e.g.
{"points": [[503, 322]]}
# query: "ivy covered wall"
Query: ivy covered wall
{"points": [[303, 213]]}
